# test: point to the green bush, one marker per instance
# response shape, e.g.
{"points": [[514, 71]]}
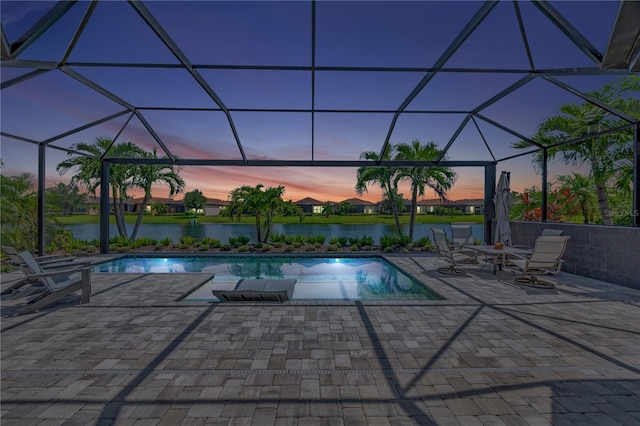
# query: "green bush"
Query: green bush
{"points": [[332, 247], [277, 238], [366, 240], [166, 241], [310, 248], [354, 241], [265, 248], [333, 241], [187, 240], [388, 241], [211, 242], [342, 240], [244, 248], [288, 249]]}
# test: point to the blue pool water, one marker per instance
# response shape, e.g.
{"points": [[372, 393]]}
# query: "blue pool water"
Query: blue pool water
{"points": [[318, 278]]}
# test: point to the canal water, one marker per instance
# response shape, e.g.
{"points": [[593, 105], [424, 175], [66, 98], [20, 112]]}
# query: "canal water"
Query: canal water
{"points": [[223, 232]]}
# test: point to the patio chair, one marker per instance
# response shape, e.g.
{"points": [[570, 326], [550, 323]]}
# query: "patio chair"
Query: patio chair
{"points": [[546, 258], [258, 290], [46, 262], [49, 261], [452, 255], [58, 282], [461, 234], [546, 232]]}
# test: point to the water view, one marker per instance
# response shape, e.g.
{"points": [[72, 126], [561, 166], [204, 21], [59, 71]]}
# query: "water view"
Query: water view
{"points": [[223, 232]]}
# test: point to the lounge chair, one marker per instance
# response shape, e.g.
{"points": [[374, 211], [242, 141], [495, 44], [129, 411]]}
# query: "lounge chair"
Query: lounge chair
{"points": [[58, 282], [452, 255], [258, 290], [45, 262], [546, 258]]}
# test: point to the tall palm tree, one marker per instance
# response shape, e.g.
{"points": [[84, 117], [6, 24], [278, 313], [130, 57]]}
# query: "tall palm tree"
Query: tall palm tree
{"points": [[18, 212], [604, 155], [145, 176], [385, 177], [439, 178], [87, 171]]}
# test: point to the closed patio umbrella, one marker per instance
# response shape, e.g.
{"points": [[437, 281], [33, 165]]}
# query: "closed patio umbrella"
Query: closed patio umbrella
{"points": [[502, 201]]}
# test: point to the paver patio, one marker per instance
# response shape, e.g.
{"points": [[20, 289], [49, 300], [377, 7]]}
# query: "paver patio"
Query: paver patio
{"points": [[491, 353]]}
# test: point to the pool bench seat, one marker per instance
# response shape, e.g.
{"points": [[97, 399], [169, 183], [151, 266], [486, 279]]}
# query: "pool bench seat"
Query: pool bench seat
{"points": [[258, 290]]}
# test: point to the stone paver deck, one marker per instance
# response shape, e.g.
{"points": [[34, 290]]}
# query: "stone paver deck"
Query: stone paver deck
{"points": [[492, 353]]}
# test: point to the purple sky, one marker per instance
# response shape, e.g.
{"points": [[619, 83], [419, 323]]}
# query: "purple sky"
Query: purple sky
{"points": [[375, 34]]}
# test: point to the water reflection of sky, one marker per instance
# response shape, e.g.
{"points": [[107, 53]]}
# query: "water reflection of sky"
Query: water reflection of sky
{"points": [[369, 278]]}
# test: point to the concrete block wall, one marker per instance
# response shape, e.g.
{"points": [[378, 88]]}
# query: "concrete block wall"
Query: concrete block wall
{"points": [[608, 253]]}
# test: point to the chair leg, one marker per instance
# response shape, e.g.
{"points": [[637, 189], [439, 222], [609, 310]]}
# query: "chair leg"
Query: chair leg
{"points": [[533, 281], [452, 270]]}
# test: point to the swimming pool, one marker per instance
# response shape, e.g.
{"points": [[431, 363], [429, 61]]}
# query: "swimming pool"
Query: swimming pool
{"points": [[318, 278]]}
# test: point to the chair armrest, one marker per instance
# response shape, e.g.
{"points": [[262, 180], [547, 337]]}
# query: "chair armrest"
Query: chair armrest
{"points": [[56, 272], [71, 264], [43, 262]]}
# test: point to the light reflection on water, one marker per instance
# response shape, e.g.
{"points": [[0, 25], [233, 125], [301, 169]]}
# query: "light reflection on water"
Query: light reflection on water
{"points": [[318, 278]]}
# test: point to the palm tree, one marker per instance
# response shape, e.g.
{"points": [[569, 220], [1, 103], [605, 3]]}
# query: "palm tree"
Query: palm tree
{"points": [[580, 189], [145, 176], [604, 155], [263, 205], [65, 197], [87, 171], [327, 208], [439, 178], [385, 177]]}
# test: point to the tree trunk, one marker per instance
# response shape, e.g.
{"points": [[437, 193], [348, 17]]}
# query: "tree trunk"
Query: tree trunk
{"points": [[412, 220], [116, 212], [143, 208], [258, 228], [394, 209], [603, 204]]}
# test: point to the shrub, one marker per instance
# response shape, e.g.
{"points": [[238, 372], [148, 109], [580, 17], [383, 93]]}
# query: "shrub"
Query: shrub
{"points": [[317, 245], [333, 241], [310, 248], [166, 241], [354, 247], [212, 242], [187, 240], [278, 244], [243, 248], [332, 247], [353, 241], [317, 239], [277, 238], [342, 240], [243, 240], [424, 242], [265, 248], [203, 247], [388, 241], [288, 249], [366, 240], [226, 247]]}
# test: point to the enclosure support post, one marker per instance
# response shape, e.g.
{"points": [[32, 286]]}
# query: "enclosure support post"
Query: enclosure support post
{"points": [[543, 205], [41, 199], [635, 208], [489, 207], [104, 207]]}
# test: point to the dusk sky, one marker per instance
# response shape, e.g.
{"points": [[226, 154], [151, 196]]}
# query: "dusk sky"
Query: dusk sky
{"points": [[348, 34]]}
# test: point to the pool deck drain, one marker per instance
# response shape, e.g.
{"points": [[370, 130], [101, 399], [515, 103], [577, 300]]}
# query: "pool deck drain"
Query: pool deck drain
{"points": [[491, 353]]}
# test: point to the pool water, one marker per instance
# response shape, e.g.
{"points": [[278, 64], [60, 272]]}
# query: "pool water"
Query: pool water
{"points": [[318, 278]]}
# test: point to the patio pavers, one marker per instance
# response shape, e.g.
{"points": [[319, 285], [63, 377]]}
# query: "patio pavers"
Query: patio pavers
{"points": [[491, 353]]}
